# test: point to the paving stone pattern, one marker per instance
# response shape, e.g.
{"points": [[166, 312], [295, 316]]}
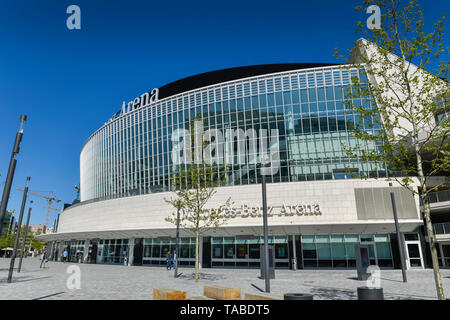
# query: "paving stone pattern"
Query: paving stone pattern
{"points": [[117, 282]]}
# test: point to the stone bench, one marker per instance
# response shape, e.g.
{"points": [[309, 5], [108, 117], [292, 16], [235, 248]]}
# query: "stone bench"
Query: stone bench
{"points": [[222, 293], [262, 296], [168, 294]]}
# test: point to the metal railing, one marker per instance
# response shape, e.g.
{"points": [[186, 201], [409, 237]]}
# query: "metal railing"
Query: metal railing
{"points": [[441, 228], [439, 196]]}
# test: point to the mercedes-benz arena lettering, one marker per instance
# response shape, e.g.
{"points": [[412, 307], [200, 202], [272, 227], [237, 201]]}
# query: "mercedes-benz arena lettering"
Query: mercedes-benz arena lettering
{"points": [[318, 212]]}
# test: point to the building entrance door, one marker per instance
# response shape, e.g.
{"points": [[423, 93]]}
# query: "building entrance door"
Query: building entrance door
{"points": [[414, 255], [413, 251]]}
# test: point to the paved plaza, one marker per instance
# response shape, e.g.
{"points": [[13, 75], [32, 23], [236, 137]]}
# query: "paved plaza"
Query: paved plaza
{"points": [[121, 282]]}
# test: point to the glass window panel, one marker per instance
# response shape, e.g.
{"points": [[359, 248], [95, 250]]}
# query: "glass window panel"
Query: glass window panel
{"points": [[147, 251], [295, 96], [218, 251], [229, 251], [303, 95], [309, 250], [184, 251], [280, 239], [254, 251], [329, 93], [228, 240], [323, 251], [384, 250], [281, 251], [307, 239], [271, 100], [321, 94], [241, 251], [156, 251], [312, 95], [322, 239], [217, 239], [381, 238]]}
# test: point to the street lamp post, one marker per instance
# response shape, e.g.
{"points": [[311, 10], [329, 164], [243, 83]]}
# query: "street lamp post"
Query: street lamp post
{"points": [[176, 255], [397, 230], [11, 169], [266, 231], [25, 236], [19, 225]]}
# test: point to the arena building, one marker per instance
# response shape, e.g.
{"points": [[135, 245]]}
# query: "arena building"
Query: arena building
{"points": [[318, 212]]}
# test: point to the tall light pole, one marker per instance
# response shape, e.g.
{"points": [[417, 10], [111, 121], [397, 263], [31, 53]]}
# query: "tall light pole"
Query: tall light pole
{"points": [[177, 251], [19, 225], [266, 232], [11, 169], [397, 230], [25, 237]]}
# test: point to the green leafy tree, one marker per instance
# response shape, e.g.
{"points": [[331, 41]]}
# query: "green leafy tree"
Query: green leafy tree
{"points": [[408, 71], [194, 185], [7, 237]]}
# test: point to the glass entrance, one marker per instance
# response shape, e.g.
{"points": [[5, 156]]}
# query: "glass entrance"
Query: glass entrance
{"points": [[413, 250], [414, 255]]}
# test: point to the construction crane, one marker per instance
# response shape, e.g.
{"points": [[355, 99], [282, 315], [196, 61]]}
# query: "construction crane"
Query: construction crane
{"points": [[49, 207], [57, 209]]}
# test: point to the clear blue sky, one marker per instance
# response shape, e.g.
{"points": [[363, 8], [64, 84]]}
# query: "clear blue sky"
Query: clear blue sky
{"points": [[69, 83]]}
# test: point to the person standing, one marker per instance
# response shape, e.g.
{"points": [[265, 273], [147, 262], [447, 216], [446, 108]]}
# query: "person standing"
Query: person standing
{"points": [[173, 258], [168, 258], [65, 256], [43, 259]]}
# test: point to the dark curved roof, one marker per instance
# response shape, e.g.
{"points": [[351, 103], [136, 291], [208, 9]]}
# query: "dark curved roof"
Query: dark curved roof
{"points": [[224, 75]]}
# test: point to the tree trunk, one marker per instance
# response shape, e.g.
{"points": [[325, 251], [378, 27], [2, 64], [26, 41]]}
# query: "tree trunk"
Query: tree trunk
{"points": [[429, 226], [432, 244], [196, 255]]}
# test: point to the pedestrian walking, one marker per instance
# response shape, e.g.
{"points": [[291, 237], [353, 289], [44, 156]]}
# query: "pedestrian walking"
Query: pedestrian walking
{"points": [[173, 259], [168, 259], [44, 259], [65, 256]]}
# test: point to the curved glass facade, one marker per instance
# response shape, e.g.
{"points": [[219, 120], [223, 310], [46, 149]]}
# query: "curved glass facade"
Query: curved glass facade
{"points": [[132, 154]]}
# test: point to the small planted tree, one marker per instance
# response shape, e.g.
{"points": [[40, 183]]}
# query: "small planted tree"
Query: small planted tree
{"points": [[194, 185], [407, 69]]}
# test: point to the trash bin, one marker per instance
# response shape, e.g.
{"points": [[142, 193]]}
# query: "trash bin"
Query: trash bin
{"points": [[294, 264], [298, 296], [367, 293]]}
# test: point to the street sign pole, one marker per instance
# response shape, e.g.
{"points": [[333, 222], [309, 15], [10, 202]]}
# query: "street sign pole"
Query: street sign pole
{"points": [[25, 237], [266, 232]]}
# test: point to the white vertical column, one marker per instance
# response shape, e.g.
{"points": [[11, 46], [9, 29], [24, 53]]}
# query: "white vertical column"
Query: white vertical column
{"points": [[130, 251], [86, 251], [294, 250], [442, 255], [61, 250]]}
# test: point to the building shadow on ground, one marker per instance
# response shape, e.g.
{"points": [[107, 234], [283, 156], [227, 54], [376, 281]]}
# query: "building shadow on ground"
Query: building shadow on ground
{"points": [[346, 294], [22, 279]]}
